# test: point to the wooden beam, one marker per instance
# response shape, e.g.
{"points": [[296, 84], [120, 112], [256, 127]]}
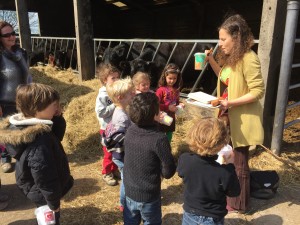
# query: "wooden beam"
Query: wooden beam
{"points": [[23, 21], [84, 39], [269, 53]]}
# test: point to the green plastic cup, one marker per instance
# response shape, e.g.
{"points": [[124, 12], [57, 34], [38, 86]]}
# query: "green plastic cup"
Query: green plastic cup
{"points": [[199, 60]]}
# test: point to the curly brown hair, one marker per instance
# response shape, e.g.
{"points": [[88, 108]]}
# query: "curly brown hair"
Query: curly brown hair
{"points": [[103, 70], [238, 29], [208, 136], [174, 69]]}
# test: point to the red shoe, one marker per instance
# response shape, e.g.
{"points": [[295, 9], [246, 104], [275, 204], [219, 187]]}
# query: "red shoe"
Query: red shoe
{"points": [[121, 208], [232, 210]]}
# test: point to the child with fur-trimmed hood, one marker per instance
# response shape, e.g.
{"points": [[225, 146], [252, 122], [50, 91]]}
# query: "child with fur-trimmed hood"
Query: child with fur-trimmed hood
{"points": [[33, 138]]}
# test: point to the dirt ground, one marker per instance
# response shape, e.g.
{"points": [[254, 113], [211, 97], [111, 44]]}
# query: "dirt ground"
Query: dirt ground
{"points": [[91, 202], [283, 209]]}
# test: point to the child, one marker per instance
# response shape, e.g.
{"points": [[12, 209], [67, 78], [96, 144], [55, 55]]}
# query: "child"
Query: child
{"points": [[141, 82], [121, 93], [42, 170], [206, 182], [148, 157], [104, 110], [168, 94]]}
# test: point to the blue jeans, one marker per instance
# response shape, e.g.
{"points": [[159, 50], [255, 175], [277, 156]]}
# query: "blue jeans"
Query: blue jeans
{"points": [[192, 219], [120, 166], [149, 212], [5, 157]]}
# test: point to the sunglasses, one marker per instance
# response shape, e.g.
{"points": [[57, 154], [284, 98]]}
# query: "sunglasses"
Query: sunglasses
{"points": [[7, 35]]}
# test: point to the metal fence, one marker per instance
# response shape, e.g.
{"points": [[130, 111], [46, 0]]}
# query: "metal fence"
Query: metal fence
{"points": [[64, 49], [291, 87], [57, 45]]}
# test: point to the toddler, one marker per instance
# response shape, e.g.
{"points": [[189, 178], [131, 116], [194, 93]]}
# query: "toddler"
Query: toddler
{"points": [[121, 93], [168, 94], [206, 182], [147, 158], [42, 169], [141, 82], [104, 110]]}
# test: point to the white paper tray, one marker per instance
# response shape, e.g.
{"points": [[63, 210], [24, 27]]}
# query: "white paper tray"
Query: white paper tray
{"points": [[201, 97]]}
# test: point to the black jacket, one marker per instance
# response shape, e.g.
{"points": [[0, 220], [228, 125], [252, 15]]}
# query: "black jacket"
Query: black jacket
{"points": [[147, 158], [206, 184], [14, 71], [42, 169]]}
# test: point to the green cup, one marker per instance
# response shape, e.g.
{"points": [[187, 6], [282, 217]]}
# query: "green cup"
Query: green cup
{"points": [[199, 60]]}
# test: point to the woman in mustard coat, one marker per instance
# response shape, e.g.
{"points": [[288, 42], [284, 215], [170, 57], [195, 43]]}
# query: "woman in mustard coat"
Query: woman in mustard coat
{"points": [[241, 83]]}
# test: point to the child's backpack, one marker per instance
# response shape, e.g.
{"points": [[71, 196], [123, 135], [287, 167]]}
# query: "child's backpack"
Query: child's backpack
{"points": [[263, 184]]}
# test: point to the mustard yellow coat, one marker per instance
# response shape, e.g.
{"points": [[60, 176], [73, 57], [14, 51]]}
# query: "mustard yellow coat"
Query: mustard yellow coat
{"points": [[245, 120]]}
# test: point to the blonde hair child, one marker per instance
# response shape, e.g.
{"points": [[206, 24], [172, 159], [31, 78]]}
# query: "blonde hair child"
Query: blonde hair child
{"points": [[141, 82], [121, 93], [206, 182]]}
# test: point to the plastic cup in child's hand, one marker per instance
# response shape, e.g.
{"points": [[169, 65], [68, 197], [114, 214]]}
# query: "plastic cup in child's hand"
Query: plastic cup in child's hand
{"points": [[179, 110], [165, 119], [225, 155]]}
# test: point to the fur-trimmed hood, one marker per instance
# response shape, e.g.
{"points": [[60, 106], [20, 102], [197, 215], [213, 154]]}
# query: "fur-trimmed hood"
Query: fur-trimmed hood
{"points": [[17, 131]]}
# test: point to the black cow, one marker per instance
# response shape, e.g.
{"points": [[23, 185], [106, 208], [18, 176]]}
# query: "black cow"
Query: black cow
{"points": [[117, 56], [145, 63], [66, 59], [152, 61]]}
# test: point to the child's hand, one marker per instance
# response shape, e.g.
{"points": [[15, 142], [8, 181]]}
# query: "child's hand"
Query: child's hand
{"points": [[182, 104], [225, 159], [58, 111], [172, 108], [159, 117]]}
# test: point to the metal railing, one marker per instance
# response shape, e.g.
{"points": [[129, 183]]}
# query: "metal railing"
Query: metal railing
{"points": [[44, 45], [61, 47], [295, 104]]}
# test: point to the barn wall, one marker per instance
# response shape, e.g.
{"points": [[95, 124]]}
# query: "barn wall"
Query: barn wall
{"points": [[57, 19], [178, 21]]}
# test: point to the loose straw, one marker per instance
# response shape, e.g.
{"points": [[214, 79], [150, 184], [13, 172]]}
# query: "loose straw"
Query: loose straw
{"points": [[288, 162]]}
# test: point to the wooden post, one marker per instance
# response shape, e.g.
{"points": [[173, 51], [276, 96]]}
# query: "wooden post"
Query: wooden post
{"points": [[84, 39], [269, 53], [23, 21]]}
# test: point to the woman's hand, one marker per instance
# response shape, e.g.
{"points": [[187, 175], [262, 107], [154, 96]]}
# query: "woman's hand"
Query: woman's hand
{"points": [[211, 60], [224, 104], [209, 56]]}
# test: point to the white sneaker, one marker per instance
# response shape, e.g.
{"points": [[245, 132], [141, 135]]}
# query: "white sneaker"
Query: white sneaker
{"points": [[109, 179]]}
